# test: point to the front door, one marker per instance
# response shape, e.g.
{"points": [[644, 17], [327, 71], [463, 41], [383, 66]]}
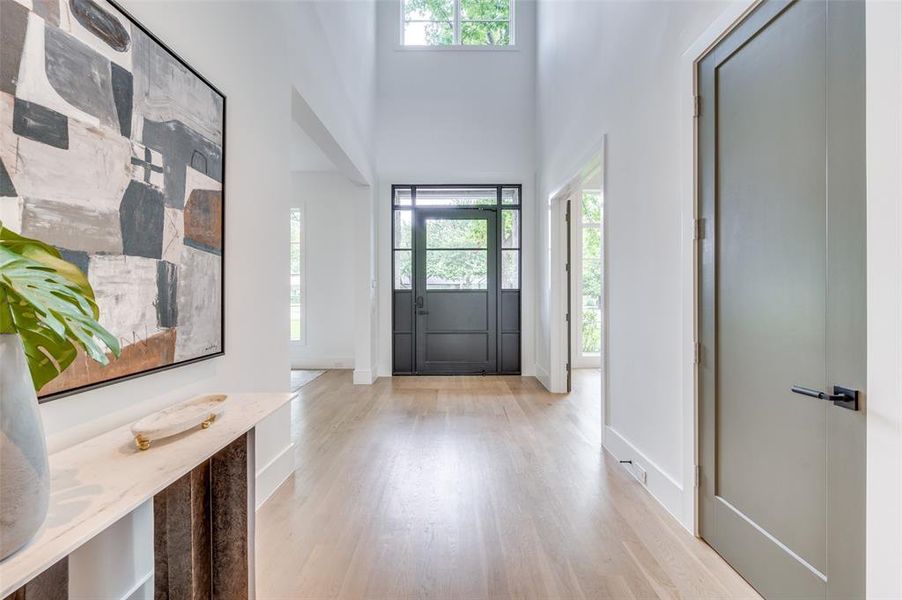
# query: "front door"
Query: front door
{"points": [[782, 298], [456, 290]]}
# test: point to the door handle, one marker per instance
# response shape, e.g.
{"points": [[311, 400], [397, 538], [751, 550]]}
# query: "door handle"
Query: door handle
{"points": [[842, 397], [422, 312]]}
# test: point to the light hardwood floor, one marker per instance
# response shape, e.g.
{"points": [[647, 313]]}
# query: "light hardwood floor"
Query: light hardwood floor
{"points": [[468, 487]]}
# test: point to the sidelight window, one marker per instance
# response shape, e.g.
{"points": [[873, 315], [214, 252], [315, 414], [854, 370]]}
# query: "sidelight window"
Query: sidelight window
{"points": [[296, 275]]}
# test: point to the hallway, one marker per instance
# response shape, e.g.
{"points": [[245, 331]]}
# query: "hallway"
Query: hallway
{"points": [[468, 487]]}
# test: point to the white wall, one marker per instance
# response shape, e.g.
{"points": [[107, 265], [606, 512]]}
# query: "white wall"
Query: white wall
{"points": [[884, 399], [255, 52], [454, 116], [612, 68], [330, 204]]}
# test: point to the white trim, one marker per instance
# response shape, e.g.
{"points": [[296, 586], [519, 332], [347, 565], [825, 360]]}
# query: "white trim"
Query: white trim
{"points": [[884, 283], [662, 487], [273, 474], [320, 362], [543, 377], [363, 377], [138, 585], [731, 16]]}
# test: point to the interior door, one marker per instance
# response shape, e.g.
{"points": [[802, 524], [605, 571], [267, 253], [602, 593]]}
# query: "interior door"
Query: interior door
{"points": [[456, 290], [782, 298]]}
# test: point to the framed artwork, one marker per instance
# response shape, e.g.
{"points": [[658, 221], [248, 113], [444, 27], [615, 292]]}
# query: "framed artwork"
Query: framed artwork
{"points": [[112, 149]]}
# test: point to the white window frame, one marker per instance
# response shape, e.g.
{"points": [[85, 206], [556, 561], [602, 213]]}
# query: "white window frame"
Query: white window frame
{"points": [[456, 44], [302, 277]]}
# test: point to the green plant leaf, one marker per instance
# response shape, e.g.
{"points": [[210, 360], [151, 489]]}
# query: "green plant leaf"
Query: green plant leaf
{"points": [[48, 256], [50, 304]]}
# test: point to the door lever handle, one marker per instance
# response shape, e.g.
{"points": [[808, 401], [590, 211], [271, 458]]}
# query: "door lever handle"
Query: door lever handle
{"points": [[422, 312], [842, 397]]}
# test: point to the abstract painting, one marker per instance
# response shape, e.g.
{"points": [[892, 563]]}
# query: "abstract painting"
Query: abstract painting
{"points": [[112, 150]]}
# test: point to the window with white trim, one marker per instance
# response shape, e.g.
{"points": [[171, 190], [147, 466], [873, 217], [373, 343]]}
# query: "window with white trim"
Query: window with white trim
{"points": [[457, 22], [296, 276], [590, 277]]}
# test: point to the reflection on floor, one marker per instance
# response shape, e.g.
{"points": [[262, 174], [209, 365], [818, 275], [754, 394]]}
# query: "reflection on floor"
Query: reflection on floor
{"points": [[468, 487], [301, 377]]}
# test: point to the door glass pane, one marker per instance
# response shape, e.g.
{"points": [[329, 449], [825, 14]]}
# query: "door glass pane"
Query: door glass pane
{"points": [[295, 321], [456, 233], [510, 229], [591, 332], [591, 206], [403, 197], [403, 270], [592, 242], [510, 269], [510, 196], [457, 269], [457, 196], [402, 224], [592, 283]]}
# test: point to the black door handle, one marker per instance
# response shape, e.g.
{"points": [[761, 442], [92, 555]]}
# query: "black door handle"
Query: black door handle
{"points": [[842, 397]]}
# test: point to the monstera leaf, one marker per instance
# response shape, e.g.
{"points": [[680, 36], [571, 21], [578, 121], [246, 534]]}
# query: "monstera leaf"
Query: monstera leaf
{"points": [[49, 303]]}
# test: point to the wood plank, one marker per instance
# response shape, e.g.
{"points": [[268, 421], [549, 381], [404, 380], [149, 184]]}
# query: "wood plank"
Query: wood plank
{"points": [[469, 487]]}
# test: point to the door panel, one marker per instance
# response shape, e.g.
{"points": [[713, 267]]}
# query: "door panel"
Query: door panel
{"points": [[846, 300], [456, 287], [458, 311], [768, 280]]}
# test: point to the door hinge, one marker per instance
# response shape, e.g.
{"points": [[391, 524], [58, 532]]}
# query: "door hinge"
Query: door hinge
{"points": [[567, 267], [568, 367], [698, 232], [698, 476], [697, 106], [697, 354], [567, 317]]}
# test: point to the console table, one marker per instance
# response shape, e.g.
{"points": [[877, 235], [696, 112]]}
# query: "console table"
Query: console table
{"points": [[202, 486]]}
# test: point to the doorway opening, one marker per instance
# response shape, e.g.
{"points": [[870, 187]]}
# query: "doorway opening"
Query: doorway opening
{"points": [[456, 262], [580, 206]]}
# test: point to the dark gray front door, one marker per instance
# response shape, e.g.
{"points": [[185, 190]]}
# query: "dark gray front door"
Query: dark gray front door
{"points": [[456, 290], [782, 191]]}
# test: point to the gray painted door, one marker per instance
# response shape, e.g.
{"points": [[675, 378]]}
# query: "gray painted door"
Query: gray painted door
{"points": [[782, 194], [456, 286]]}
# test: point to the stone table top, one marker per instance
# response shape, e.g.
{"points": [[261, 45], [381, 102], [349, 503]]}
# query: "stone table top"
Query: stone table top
{"points": [[99, 481]]}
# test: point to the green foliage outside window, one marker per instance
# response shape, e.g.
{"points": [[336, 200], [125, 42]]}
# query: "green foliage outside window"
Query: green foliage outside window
{"points": [[591, 273], [482, 22]]}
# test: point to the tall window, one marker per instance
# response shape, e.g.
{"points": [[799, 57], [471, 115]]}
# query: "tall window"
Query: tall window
{"points": [[457, 22], [591, 281], [296, 276]]}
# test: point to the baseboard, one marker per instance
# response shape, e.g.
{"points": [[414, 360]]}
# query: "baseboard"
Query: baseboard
{"points": [[662, 487], [543, 377], [322, 362], [274, 473], [363, 377]]}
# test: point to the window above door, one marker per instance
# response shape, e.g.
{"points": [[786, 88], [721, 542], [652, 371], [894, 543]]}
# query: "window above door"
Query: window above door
{"points": [[457, 23]]}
